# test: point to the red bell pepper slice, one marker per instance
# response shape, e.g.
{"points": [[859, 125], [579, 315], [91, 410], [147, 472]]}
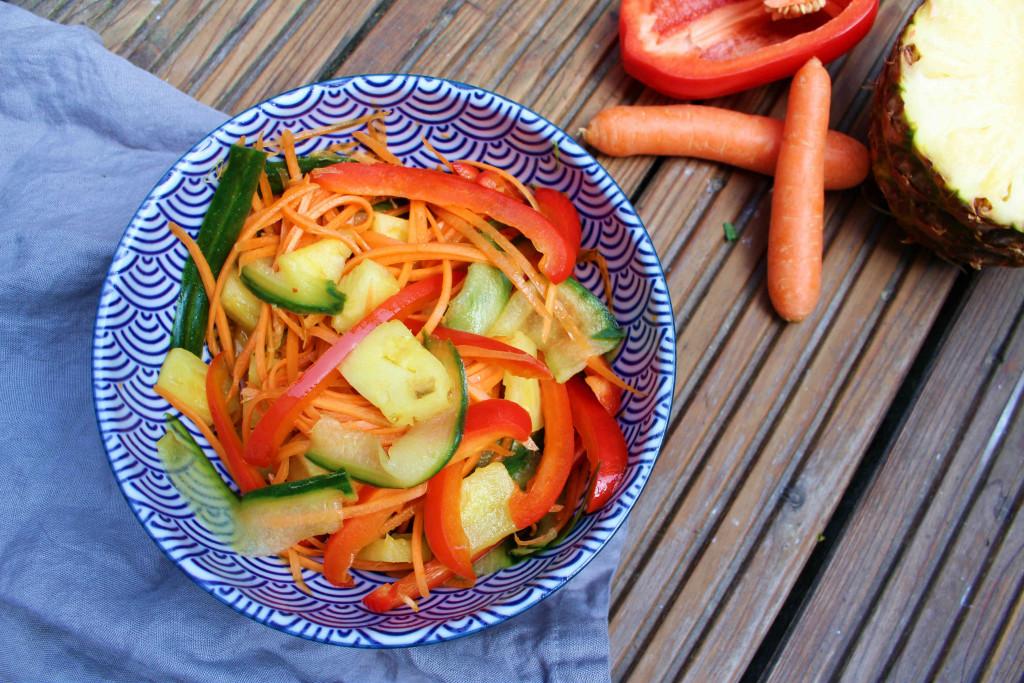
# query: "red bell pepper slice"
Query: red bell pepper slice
{"points": [[562, 214], [486, 422], [603, 440], [354, 535], [697, 49], [445, 189], [245, 475], [527, 507], [479, 347], [607, 393], [275, 424]]}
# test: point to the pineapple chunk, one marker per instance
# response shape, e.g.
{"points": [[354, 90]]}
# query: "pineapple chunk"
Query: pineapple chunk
{"points": [[391, 226], [484, 506], [393, 371], [323, 260], [183, 376], [240, 303], [525, 390], [364, 288]]}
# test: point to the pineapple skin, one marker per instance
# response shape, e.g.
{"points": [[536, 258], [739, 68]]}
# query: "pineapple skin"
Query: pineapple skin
{"points": [[930, 213]]}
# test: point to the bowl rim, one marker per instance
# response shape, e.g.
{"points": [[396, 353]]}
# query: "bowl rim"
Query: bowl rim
{"points": [[433, 638]]}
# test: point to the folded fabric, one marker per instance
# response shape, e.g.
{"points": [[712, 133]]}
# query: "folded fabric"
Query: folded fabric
{"points": [[85, 595]]}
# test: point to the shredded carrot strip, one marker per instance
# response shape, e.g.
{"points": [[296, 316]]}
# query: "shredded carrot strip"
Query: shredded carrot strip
{"points": [[370, 566], [397, 520], [293, 564], [377, 147], [594, 256], [195, 419], [410, 603], [549, 306], [599, 365], [205, 274], [385, 502], [285, 318], [291, 347], [335, 405], [417, 556], [307, 550], [442, 300], [293, 448], [471, 463], [335, 127], [256, 254], [321, 332], [516, 183], [259, 357], [291, 161], [256, 243], [441, 157], [282, 471]]}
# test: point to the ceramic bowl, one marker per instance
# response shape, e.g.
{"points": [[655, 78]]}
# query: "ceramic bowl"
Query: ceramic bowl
{"points": [[137, 306]]}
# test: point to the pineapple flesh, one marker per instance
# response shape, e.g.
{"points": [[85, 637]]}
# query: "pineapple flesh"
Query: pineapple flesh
{"points": [[946, 146]]}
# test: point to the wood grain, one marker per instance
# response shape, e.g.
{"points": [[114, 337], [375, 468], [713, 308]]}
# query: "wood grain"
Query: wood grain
{"points": [[770, 421], [930, 564]]}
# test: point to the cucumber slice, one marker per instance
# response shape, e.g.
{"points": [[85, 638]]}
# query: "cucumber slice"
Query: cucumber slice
{"points": [[183, 376], [525, 390], [263, 522], [481, 300], [494, 561], [391, 226], [311, 297], [333, 447], [415, 457], [522, 464], [563, 356], [429, 445], [277, 171], [213, 503]]}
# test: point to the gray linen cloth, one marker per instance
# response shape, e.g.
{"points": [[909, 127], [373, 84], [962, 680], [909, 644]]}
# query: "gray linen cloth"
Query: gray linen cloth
{"points": [[85, 595]]}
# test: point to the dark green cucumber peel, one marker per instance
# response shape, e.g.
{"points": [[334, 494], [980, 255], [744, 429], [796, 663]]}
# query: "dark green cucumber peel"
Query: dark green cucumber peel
{"points": [[274, 289], [277, 171], [522, 464], [333, 480], [224, 218]]}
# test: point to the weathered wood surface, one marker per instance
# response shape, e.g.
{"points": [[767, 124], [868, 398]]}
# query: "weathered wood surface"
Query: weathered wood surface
{"points": [[771, 422]]}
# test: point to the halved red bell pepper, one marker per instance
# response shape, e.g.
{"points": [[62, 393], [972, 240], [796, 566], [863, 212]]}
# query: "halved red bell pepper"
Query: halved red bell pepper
{"points": [[479, 347], [445, 189], [603, 440], [562, 214], [486, 422], [275, 424], [354, 535], [696, 49], [527, 507], [217, 380]]}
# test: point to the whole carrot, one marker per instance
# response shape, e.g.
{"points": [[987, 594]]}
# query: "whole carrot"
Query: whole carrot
{"points": [[798, 200], [691, 130]]}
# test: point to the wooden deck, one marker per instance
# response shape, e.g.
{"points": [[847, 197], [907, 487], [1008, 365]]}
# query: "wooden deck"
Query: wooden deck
{"points": [[838, 499]]}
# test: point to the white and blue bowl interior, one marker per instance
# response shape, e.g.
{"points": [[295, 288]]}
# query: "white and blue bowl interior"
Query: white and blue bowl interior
{"points": [[137, 307]]}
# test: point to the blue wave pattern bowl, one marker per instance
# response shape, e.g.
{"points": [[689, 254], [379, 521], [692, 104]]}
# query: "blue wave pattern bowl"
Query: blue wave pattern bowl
{"points": [[137, 307]]}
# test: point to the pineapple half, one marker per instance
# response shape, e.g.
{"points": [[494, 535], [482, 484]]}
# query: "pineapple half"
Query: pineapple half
{"points": [[947, 133]]}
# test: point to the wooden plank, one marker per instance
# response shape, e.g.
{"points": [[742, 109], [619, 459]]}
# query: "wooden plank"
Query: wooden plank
{"points": [[899, 563]]}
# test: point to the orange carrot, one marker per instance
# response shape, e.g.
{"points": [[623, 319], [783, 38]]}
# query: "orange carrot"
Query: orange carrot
{"points": [[795, 234], [732, 137]]}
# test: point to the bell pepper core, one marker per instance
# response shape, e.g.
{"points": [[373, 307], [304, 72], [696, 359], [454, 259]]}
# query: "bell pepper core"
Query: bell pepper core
{"points": [[486, 422], [527, 507], [445, 189], [244, 474], [697, 49], [602, 438], [275, 424]]}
